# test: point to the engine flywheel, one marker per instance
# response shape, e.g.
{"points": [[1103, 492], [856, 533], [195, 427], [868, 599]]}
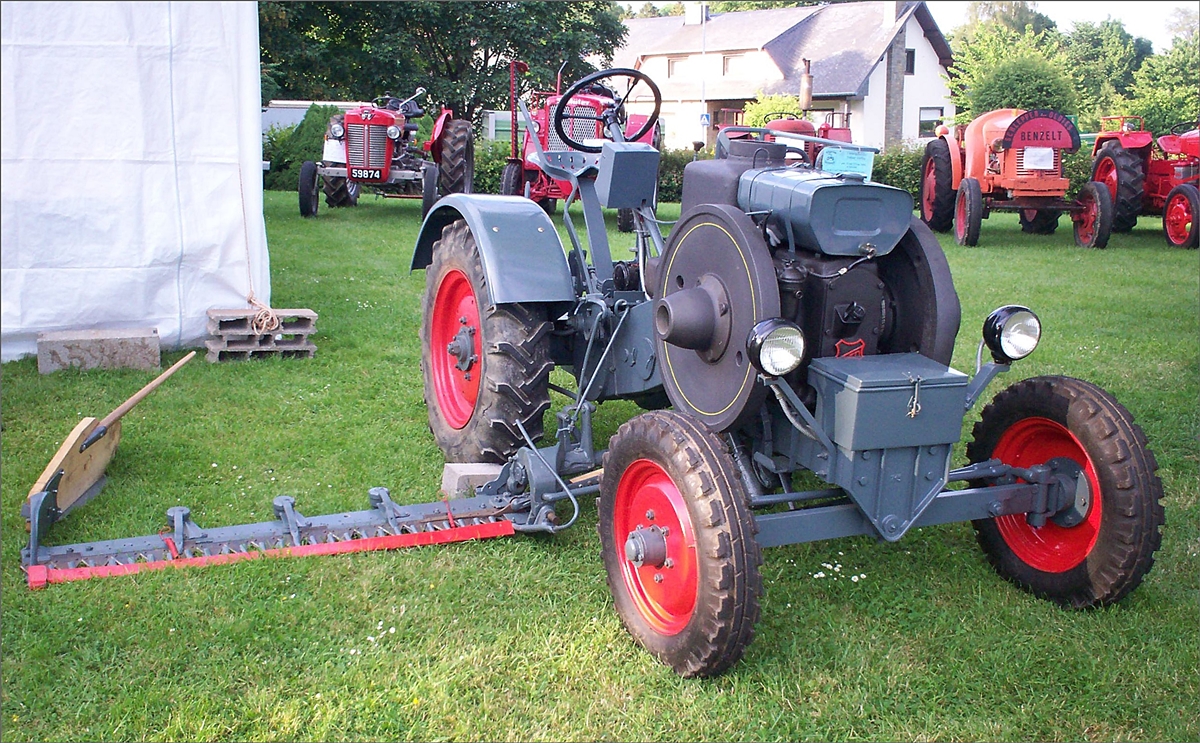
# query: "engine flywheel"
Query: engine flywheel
{"points": [[715, 282]]}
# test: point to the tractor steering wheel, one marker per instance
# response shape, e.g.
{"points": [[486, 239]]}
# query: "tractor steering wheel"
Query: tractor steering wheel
{"points": [[1184, 126], [616, 114]]}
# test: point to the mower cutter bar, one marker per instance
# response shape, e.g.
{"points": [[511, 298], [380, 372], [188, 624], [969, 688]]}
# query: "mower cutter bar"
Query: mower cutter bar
{"points": [[184, 544]]}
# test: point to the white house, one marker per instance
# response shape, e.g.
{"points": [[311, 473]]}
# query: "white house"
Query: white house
{"points": [[882, 62]]}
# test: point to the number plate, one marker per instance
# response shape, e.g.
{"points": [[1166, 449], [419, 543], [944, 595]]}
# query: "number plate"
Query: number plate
{"points": [[1039, 158], [366, 174]]}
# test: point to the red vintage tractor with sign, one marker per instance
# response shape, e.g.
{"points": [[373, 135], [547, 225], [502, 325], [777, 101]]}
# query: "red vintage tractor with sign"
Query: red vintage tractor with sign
{"points": [[1010, 160], [522, 176], [372, 146], [1145, 175]]}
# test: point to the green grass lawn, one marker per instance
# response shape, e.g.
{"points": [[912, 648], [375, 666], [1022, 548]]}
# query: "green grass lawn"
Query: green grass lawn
{"points": [[516, 639]]}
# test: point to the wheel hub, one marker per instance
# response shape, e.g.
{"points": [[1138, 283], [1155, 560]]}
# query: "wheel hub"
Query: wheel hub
{"points": [[462, 346], [646, 547]]}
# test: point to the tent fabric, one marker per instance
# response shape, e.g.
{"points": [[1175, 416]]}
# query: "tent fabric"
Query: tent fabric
{"points": [[131, 153]]}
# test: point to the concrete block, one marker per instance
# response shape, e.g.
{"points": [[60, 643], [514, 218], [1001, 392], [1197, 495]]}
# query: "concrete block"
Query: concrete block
{"points": [[459, 479], [126, 348]]}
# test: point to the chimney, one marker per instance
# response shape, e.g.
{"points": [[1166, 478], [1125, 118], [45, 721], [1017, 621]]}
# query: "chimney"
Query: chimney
{"points": [[694, 13]]}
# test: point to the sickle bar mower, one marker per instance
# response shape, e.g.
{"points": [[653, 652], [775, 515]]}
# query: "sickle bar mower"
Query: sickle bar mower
{"points": [[386, 525]]}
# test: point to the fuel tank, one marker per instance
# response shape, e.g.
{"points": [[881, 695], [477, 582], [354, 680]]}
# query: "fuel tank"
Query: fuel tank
{"points": [[842, 215]]}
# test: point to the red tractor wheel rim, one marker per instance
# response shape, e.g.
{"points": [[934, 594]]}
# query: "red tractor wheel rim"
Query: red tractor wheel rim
{"points": [[665, 596], [1049, 548], [1178, 219], [1106, 173], [928, 190], [1088, 218], [960, 217], [455, 310]]}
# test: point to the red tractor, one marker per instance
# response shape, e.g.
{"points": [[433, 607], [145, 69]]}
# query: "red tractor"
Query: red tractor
{"points": [[1148, 176], [373, 146], [522, 176], [1010, 160], [836, 127]]}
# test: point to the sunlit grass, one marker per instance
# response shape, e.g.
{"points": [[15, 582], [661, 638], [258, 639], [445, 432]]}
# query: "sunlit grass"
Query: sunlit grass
{"points": [[516, 639]]}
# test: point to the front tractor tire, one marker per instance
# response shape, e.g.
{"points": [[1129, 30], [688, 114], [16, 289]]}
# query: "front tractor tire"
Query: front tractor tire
{"points": [[308, 191], [937, 189], [1122, 172], [512, 180], [456, 171], [677, 540], [968, 212], [1106, 555], [1179, 216], [1093, 224], [1039, 221], [484, 366]]}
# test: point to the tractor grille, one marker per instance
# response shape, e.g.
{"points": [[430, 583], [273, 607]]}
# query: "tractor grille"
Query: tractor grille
{"points": [[366, 146], [1023, 171], [580, 129]]}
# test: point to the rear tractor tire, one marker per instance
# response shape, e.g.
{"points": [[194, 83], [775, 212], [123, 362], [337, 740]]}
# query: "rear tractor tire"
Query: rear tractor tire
{"points": [[1039, 221], [1123, 173], [968, 212], [1105, 556], [677, 540], [456, 171], [1179, 216], [1093, 225], [341, 192], [308, 191], [937, 190], [625, 220], [484, 366]]}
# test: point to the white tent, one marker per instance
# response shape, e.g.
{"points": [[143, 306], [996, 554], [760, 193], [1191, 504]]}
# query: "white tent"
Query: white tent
{"points": [[131, 151]]}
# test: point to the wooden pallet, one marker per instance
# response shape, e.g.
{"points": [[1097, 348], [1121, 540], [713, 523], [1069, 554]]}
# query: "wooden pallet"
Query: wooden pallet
{"points": [[234, 338]]}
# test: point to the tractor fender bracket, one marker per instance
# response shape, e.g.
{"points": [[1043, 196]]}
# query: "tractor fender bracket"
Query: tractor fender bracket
{"points": [[523, 257]]}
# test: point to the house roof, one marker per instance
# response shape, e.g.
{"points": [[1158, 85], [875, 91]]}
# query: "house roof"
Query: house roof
{"points": [[844, 42]]}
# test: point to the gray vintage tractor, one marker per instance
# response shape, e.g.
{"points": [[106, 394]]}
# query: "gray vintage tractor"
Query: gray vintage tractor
{"points": [[797, 318]]}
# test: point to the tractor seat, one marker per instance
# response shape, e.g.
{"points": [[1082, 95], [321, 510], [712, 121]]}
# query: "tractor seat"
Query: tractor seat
{"points": [[1170, 144]]}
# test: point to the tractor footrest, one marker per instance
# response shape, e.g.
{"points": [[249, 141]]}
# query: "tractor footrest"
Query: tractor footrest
{"points": [[236, 338]]}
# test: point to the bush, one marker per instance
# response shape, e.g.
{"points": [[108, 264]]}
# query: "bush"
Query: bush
{"points": [[491, 155], [1078, 167], [1027, 82], [900, 166], [288, 147], [670, 172]]}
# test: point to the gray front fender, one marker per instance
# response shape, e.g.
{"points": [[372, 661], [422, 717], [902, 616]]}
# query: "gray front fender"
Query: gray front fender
{"points": [[523, 258]]}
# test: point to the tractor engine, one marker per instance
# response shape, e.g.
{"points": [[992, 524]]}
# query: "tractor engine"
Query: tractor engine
{"points": [[842, 258]]}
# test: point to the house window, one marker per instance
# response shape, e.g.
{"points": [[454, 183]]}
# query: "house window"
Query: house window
{"points": [[910, 61], [733, 65], [675, 66], [930, 118]]}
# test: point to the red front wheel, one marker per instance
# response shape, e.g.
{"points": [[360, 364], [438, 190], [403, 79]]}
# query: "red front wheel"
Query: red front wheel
{"points": [[678, 546], [1179, 216], [1105, 555]]}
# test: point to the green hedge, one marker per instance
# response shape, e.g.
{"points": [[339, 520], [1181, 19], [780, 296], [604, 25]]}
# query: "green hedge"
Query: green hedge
{"points": [[286, 148]]}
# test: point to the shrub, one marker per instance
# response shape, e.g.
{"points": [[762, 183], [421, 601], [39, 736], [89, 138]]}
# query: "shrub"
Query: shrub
{"points": [[490, 157], [900, 166], [1028, 81], [670, 172], [287, 148]]}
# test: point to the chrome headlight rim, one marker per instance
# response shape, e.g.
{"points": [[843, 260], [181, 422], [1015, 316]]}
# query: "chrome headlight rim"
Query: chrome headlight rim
{"points": [[776, 347], [393, 132], [1012, 333], [337, 131]]}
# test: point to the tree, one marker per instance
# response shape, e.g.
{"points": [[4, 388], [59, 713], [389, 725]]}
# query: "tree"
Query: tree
{"points": [[1164, 89], [1184, 23], [755, 112], [460, 52], [1027, 81], [733, 6], [1015, 16], [993, 44], [1103, 58]]}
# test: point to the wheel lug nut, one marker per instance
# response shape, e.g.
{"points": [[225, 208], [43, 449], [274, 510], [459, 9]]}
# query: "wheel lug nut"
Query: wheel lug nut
{"points": [[668, 563], [650, 514], [658, 578]]}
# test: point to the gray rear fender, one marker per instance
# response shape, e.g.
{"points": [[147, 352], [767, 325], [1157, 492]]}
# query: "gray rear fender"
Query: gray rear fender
{"points": [[523, 258]]}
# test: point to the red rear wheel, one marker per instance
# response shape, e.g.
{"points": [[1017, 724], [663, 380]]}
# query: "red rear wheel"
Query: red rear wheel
{"points": [[454, 348]]}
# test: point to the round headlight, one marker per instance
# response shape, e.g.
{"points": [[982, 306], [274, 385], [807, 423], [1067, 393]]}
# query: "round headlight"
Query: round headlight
{"points": [[393, 132], [776, 346], [537, 127], [1011, 333], [336, 130]]}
